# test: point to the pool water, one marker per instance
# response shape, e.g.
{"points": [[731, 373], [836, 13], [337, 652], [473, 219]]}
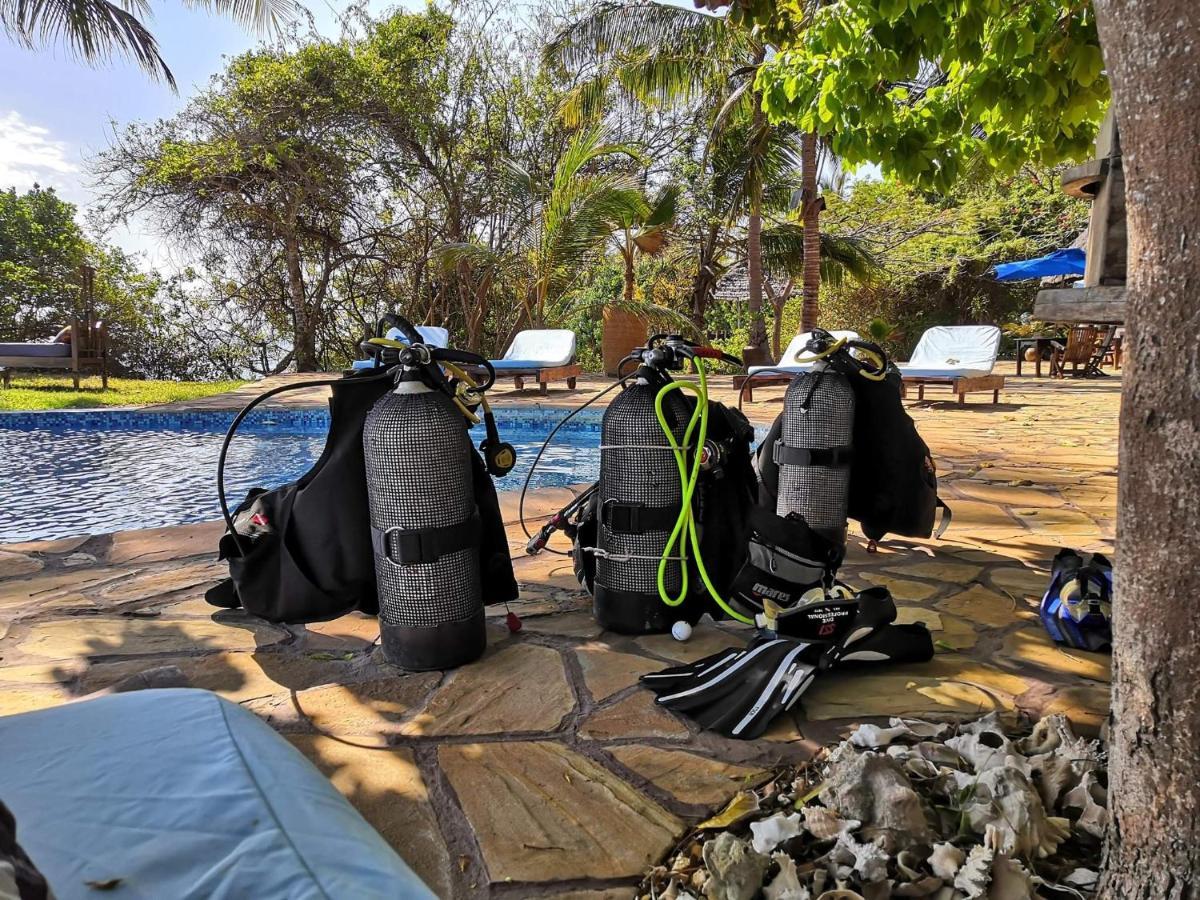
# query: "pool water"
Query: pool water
{"points": [[93, 472]]}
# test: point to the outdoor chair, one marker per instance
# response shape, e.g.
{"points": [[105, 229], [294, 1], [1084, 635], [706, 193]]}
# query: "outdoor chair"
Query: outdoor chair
{"points": [[1079, 351], [544, 355], [78, 348], [179, 793], [782, 372], [1087, 347], [433, 335], [959, 356]]}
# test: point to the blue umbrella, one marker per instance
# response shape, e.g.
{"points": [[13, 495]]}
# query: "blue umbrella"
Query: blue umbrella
{"points": [[1060, 262]]}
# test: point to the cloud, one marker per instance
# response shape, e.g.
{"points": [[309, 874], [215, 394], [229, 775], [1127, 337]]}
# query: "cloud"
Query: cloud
{"points": [[28, 153]]}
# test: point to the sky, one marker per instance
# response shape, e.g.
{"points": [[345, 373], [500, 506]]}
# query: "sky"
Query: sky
{"points": [[56, 111]]}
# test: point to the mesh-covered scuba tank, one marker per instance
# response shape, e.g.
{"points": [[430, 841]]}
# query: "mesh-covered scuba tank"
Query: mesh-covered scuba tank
{"points": [[440, 549], [424, 528], [814, 451], [638, 503]]}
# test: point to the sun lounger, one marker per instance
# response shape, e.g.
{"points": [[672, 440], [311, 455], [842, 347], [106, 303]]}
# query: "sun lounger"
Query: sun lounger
{"points": [[433, 335], [959, 356], [178, 793], [544, 355], [764, 376], [81, 346]]}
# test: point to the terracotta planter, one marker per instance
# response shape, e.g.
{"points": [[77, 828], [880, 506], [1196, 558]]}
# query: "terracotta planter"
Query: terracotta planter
{"points": [[622, 332]]}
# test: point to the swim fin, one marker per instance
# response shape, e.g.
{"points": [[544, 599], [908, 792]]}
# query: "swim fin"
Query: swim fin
{"points": [[823, 622], [739, 693]]}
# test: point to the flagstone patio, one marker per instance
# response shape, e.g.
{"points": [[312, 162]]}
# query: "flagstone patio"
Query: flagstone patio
{"points": [[544, 770]]}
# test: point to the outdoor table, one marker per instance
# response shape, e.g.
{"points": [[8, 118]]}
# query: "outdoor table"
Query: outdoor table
{"points": [[1040, 343]]}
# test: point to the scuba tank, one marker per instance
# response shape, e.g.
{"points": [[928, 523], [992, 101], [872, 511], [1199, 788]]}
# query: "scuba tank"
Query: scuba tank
{"points": [[639, 500], [668, 461], [399, 512], [425, 515], [843, 447]]}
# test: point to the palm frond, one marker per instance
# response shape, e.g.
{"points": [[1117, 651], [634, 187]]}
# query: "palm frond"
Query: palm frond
{"points": [[613, 27], [841, 255], [92, 29], [96, 30]]}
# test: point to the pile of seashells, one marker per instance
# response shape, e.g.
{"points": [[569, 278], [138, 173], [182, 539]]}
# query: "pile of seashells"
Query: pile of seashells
{"points": [[916, 809]]}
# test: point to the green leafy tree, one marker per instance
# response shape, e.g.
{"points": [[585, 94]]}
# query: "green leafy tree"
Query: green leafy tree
{"points": [[928, 88], [561, 224], [644, 230], [96, 30], [649, 53], [263, 172], [41, 252]]}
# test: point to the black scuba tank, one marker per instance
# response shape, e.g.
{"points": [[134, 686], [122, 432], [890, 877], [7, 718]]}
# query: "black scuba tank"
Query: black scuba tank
{"points": [[425, 528], [638, 502], [815, 450]]}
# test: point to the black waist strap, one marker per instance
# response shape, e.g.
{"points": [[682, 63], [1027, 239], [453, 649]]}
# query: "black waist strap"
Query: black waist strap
{"points": [[425, 545], [637, 518], [801, 456]]}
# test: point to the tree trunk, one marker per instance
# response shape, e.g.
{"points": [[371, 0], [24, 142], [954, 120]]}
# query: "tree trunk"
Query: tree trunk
{"points": [[304, 328], [756, 353], [630, 276], [778, 302], [811, 212], [702, 284], [1153, 850]]}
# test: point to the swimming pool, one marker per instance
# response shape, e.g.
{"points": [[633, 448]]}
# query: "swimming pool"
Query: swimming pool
{"points": [[92, 472]]}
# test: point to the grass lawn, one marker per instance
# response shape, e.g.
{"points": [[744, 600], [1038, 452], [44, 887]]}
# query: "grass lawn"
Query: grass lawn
{"points": [[57, 392]]}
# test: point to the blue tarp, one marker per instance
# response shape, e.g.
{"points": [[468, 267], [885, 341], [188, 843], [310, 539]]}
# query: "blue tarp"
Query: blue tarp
{"points": [[1060, 262]]}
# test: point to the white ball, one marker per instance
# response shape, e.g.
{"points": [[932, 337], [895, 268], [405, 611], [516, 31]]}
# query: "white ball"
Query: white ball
{"points": [[681, 631]]}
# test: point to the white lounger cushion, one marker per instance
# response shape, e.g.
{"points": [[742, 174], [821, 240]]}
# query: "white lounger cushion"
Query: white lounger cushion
{"points": [[954, 351], [539, 349], [433, 335], [787, 361], [178, 793]]}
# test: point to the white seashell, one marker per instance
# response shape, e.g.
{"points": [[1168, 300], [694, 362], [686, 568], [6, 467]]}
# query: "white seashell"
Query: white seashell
{"points": [[990, 722], [873, 789], [987, 750], [872, 736], [906, 865], [870, 862], [1008, 811], [921, 728], [976, 873], [770, 833], [786, 885], [1010, 881], [841, 894], [1087, 803], [946, 860], [825, 825], [736, 871], [1083, 878], [920, 768], [940, 754]]}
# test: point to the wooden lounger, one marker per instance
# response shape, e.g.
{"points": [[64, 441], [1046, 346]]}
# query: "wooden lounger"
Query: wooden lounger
{"points": [[88, 352], [543, 376], [962, 385], [766, 379]]}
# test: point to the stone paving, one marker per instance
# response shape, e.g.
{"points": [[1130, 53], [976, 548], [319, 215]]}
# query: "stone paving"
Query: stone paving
{"points": [[543, 770]]}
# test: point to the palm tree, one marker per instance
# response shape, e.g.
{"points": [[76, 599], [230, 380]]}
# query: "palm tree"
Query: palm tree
{"points": [[556, 226], [651, 53], [645, 231], [787, 249], [97, 29]]}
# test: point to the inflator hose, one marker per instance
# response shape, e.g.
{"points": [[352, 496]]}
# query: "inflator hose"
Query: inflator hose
{"points": [[685, 531]]}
